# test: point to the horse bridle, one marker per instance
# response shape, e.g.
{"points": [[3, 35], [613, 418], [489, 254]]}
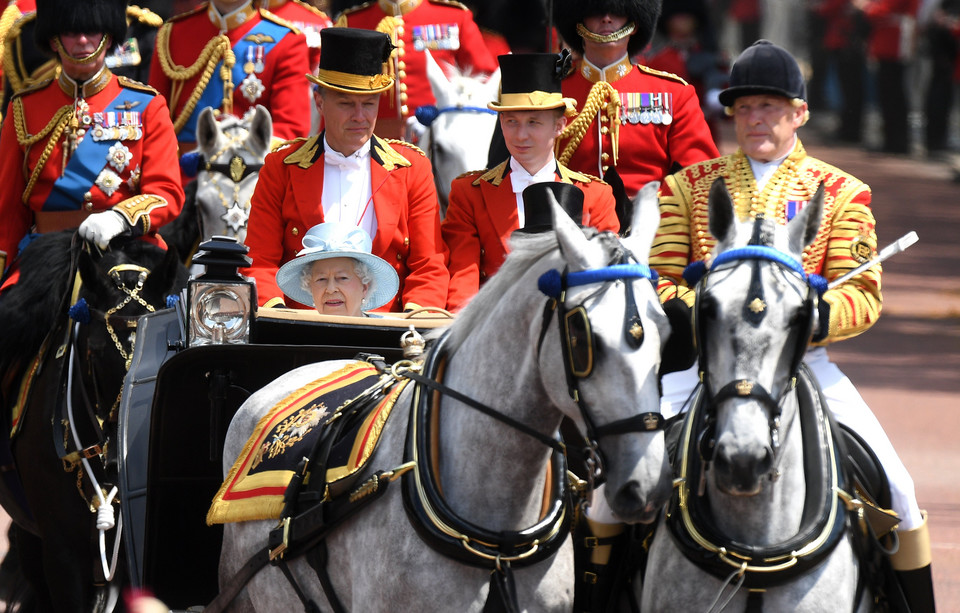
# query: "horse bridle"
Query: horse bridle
{"points": [[754, 307], [579, 345]]}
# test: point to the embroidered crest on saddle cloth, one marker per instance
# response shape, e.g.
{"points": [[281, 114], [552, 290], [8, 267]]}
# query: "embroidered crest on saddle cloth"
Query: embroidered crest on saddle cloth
{"points": [[256, 483]]}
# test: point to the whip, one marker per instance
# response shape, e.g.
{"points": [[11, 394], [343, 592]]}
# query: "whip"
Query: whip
{"points": [[893, 248]]}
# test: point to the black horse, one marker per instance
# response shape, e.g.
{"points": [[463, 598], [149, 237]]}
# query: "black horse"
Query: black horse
{"points": [[67, 330]]}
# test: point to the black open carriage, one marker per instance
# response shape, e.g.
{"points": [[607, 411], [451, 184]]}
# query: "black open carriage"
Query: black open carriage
{"points": [[178, 398]]}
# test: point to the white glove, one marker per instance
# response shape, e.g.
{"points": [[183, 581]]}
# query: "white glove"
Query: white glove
{"points": [[99, 228]]}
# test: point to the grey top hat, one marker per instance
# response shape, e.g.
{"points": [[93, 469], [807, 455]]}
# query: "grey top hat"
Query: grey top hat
{"points": [[339, 240]]}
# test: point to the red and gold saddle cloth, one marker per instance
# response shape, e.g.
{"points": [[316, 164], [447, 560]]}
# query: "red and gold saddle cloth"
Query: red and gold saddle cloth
{"points": [[255, 486]]}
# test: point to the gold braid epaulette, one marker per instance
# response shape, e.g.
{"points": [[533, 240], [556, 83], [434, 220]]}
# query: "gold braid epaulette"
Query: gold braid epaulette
{"points": [[217, 48], [591, 106], [144, 16], [54, 128]]}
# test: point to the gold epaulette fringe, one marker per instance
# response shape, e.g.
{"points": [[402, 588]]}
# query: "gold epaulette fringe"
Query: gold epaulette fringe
{"points": [[144, 16]]}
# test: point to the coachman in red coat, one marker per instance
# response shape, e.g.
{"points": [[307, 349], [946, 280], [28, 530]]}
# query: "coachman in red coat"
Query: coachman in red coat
{"points": [[347, 174]]}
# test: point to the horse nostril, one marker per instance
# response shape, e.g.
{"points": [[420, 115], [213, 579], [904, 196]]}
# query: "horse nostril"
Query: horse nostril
{"points": [[765, 464]]}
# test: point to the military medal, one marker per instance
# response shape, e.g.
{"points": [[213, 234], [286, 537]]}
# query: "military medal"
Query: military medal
{"points": [[108, 181], [667, 117], [252, 87], [445, 36], [119, 156]]}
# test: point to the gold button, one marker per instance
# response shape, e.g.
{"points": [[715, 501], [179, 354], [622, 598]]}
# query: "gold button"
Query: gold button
{"points": [[483, 251], [605, 168], [403, 87], [604, 156], [401, 74], [404, 110], [401, 51], [399, 257], [704, 249], [483, 274], [406, 241], [604, 130], [295, 231], [87, 197], [402, 66], [604, 119], [400, 32], [88, 206]]}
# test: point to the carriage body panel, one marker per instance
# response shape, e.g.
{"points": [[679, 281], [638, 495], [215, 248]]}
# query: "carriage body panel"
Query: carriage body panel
{"points": [[176, 407]]}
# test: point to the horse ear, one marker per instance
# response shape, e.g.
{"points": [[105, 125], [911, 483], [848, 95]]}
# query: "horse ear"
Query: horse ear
{"points": [[646, 221], [803, 228], [437, 78], [261, 128], [574, 246], [207, 130], [166, 277], [90, 275], [720, 211]]}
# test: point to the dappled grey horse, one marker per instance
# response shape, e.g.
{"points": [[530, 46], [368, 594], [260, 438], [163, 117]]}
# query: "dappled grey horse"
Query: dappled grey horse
{"points": [[570, 326], [758, 520]]}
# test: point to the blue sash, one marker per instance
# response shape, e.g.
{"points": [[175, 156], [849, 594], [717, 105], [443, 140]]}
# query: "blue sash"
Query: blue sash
{"points": [[88, 160], [212, 96]]}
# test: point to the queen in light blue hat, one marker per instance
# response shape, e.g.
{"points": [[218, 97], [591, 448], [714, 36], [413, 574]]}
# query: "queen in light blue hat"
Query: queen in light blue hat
{"points": [[336, 272]]}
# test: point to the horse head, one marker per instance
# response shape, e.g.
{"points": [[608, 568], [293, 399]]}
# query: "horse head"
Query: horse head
{"points": [[593, 336], [232, 151], [130, 279], [460, 126], [756, 310]]}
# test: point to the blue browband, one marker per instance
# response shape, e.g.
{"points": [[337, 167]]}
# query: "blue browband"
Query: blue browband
{"points": [[552, 282], [427, 114], [695, 271]]}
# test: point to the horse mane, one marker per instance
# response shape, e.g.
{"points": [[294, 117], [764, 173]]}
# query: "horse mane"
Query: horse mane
{"points": [[525, 251], [29, 308]]}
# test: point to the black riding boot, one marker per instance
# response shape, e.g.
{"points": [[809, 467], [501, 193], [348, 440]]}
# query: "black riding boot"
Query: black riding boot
{"points": [[911, 566], [604, 567]]}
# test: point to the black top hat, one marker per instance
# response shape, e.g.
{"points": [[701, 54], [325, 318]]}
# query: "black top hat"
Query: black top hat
{"points": [[536, 204], [352, 60], [643, 14], [764, 68], [531, 82], [56, 17]]}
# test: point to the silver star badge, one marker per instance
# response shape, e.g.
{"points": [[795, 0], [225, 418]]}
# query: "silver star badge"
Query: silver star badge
{"points": [[235, 217]]}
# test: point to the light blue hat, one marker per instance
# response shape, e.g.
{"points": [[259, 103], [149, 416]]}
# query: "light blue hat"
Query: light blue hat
{"points": [[339, 240]]}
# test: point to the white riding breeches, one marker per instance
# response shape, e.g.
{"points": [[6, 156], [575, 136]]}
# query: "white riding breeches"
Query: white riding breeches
{"points": [[847, 406]]}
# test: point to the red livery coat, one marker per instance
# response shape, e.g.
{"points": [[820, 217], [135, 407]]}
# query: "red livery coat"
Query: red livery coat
{"points": [[306, 18], [286, 94], [647, 151], [483, 214], [287, 203], [151, 169]]}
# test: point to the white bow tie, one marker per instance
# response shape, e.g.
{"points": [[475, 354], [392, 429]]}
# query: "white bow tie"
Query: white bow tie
{"points": [[351, 162], [520, 180]]}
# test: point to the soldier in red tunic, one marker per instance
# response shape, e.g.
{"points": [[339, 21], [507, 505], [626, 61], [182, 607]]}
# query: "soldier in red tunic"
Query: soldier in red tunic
{"points": [[487, 206], [306, 18], [444, 27], [87, 148], [347, 174], [231, 56], [641, 122]]}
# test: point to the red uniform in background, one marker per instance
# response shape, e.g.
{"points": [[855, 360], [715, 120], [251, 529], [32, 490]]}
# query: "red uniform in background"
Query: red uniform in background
{"points": [[271, 61], [287, 203], [125, 158], [443, 27], [662, 127], [306, 18], [483, 214]]}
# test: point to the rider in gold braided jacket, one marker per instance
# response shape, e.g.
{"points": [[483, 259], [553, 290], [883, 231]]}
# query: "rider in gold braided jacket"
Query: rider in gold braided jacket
{"points": [[771, 174]]}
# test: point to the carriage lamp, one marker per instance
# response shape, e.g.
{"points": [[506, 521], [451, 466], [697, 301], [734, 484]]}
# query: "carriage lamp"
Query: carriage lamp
{"points": [[221, 300]]}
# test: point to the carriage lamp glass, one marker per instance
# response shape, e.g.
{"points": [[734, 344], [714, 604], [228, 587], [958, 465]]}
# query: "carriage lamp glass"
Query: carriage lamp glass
{"points": [[219, 313], [221, 301]]}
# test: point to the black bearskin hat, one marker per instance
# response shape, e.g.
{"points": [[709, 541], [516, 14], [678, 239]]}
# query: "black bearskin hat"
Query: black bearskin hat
{"points": [[56, 17], [643, 13]]}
